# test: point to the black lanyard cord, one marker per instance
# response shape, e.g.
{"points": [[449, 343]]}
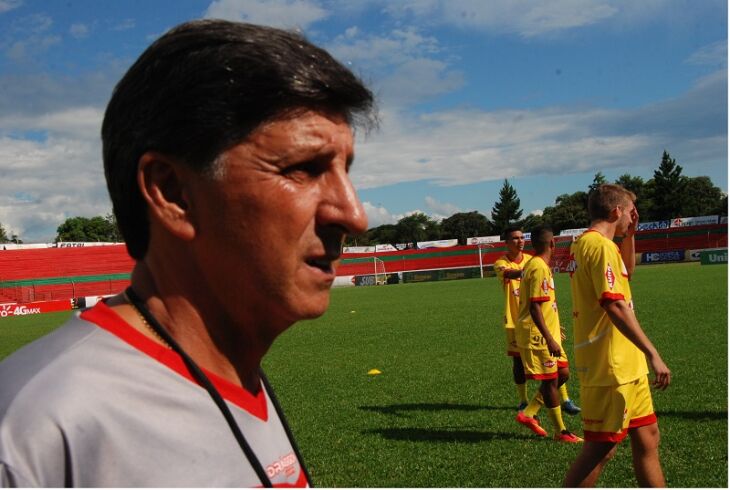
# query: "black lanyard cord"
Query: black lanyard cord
{"points": [[285, 424], [213, 392]]}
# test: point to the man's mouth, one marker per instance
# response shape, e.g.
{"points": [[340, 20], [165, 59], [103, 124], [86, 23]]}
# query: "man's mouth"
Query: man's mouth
{"points": [[324, 264]]}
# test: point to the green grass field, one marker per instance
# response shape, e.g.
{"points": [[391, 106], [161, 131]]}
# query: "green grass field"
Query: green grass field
{"points": [[441, 413]]}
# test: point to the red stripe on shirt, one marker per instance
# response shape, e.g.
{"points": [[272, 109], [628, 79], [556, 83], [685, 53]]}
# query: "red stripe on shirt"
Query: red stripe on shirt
{"points": [[106, 318], [540, 299], [542, 376]]}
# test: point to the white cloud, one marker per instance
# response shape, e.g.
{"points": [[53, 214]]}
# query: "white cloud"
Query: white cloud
{"points": [[456, 147], [77, 122], [124, 25], [377, 215], [404, 62], [524, 17], [79, 31], [277, 13], [712, 54], [8, 5], [441, 209], [43, 183], [536, 212]]}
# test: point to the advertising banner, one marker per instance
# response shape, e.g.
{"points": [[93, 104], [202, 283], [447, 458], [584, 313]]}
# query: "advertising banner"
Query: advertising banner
{"points": [[16, 309], [723, 220], [358, 250], [694, 221], [442, 274], [573, 232], [387, 247], [692, 255], [438, 244], [713, 257], [653, 225], [666, 256], [480, 240]]}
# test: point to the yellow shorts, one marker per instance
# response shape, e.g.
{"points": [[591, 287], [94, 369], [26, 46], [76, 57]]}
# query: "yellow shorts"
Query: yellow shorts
{"points": [[512, 349], [539, 364], [610, 411]]}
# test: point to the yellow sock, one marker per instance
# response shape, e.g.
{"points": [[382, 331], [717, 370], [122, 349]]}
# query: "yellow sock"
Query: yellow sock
{"points": [[556, 417], [534, 406], [564, 393], [522, 392]]}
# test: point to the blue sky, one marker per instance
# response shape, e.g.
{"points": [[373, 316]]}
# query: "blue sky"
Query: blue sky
{"points": [[544, 93]]}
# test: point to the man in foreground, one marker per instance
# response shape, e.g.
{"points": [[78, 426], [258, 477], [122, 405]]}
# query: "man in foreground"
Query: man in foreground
{"points": [[538, 336], [611, 349], [509, 273], [227, 148]]}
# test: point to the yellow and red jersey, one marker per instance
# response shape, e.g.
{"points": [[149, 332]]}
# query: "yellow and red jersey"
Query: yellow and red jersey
{"points": [[603, 355], [510, 287], [537, 287]]}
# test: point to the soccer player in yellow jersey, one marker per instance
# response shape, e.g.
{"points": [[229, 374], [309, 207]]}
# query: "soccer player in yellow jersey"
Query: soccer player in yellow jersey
{"points": [[538, 335], [611, 349], [509, 272]]}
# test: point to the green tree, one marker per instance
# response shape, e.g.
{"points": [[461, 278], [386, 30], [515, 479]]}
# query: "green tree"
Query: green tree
{"points": [[507, 210], [643, 192], [81, 229], [702, 198], [598, 179], [464, 225], [669, 184], [570, 211], [532, 221], [417, 227], [3, 234]]}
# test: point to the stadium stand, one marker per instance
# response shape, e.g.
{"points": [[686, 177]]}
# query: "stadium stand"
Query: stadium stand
{"points": [[43, 274]]}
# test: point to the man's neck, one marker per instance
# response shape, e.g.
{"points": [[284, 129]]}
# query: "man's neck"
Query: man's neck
{"points": [[515, 257], [605, 228], [203, 331]]}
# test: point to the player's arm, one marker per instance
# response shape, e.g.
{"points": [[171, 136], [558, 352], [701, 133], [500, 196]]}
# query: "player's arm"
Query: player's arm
{"points": [[536, 314], [512, 273], [623, 317], [628, 246]]}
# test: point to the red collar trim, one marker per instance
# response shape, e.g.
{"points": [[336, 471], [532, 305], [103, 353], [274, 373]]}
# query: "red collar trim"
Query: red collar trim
{"points": [[106, 318]]}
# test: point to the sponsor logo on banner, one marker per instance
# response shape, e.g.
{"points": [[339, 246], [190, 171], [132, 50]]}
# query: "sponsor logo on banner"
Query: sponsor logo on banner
{"points": [[15, 309], [695, 221], [610, 277], [666, 256], [438, 244], [709, 257], [480, 240], [653, 225], [358, 250], [573, 232]]}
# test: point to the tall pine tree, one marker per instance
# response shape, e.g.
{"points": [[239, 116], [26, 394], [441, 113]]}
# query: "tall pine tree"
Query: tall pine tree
{"points": [[669, 184], [507, 210]]}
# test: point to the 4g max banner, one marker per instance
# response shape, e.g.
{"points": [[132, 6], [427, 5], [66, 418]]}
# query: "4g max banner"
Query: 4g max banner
{"points": [[17, 309]]}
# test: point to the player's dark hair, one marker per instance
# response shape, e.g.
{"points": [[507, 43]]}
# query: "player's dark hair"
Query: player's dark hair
{"points": [[605, 198], [540, 237], [202, 88], [509, 230]]}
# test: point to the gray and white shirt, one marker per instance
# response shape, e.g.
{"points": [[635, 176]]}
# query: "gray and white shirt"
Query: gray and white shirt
{"points": [[98, 404]]}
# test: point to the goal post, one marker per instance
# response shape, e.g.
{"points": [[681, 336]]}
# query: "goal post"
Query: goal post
{"points": [[379, 272]]}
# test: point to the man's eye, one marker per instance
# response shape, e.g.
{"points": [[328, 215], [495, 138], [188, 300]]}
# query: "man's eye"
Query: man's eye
{"points": [[311, 168]]}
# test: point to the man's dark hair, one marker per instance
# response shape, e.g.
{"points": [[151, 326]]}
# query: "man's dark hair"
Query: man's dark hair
{"points": [[540, 237], [509, 230], [202, 88]]}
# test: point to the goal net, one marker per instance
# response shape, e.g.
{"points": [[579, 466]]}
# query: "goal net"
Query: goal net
{"points": [[379, 271]]}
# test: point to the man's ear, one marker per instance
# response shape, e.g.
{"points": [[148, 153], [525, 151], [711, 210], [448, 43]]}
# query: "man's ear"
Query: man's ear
{"points": [[163, 182]]}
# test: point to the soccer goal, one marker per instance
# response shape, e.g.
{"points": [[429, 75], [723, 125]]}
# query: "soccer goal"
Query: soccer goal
{"points": [[379, 271]]}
